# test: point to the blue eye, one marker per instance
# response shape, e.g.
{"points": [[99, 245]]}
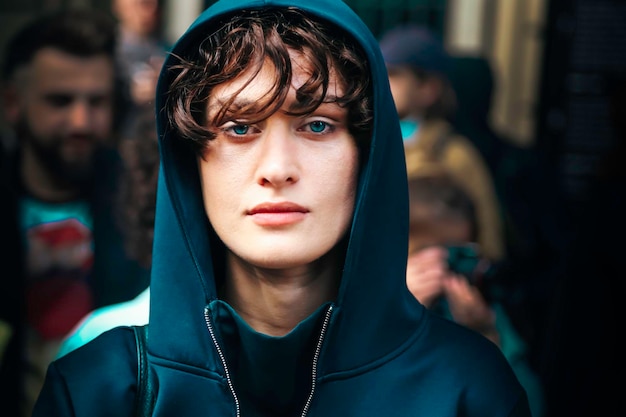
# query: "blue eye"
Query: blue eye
{"points": [[317, 126], [240, 129]]}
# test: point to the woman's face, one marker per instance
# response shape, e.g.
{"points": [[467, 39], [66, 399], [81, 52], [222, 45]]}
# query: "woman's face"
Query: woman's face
{"points": [[279, 193]]}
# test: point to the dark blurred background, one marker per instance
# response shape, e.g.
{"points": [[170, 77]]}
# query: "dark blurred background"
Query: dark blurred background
{"points": [[554, 62], [559, 93]]}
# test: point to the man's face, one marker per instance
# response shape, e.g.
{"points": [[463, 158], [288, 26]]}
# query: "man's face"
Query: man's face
{"points": [[410, 95], [140, 17], [64, 110], [280, 193]]}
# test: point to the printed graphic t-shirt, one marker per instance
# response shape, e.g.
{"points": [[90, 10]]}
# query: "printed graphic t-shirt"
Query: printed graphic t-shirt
{"points": [[59, 248]]}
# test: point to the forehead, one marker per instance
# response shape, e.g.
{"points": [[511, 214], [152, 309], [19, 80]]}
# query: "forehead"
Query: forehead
{"points": [[254, 87], [401, 72], [136, 3], [55, 69]]}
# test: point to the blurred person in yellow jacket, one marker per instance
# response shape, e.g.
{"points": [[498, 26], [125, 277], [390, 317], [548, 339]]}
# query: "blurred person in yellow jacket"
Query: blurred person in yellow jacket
{"points": [[418, 67]]}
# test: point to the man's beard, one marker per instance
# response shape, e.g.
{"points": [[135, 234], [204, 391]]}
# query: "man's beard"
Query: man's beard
{"points": [[76, 173]]}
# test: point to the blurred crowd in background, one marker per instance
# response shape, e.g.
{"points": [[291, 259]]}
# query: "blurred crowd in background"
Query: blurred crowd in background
{"points": [[495, 244]]}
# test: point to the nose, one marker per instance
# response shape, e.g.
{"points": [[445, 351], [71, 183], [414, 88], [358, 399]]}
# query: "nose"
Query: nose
{"points": [[278, 163], [80, 115]]}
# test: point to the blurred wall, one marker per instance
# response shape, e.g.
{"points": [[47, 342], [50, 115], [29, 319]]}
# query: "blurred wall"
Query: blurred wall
{"points": [[179, 15], [510, 34]]}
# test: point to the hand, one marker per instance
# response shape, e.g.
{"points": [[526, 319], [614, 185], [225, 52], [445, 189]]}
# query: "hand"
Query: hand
{"points": [[468, 306], [425, 272]]}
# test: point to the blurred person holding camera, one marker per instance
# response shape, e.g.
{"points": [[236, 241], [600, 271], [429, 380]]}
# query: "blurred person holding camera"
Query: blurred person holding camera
{"points": [[448, 274]]}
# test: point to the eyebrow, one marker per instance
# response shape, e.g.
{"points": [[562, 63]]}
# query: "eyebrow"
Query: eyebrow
{"points": [[240, 103], [237, 103]]}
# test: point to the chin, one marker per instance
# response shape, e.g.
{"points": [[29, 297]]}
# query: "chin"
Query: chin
{"points": [[272, 261], [282, 257]]}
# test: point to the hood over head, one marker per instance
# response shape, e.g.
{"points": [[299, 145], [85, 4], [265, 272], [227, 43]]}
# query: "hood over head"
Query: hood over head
{"points": [[373, 306]]}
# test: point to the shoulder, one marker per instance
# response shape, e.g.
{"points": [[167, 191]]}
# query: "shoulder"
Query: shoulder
{"points": [[462, 157], [454, 338], [460, 368], [444, 143], [461, 148], [94, 379], [477, 368], [130, 312], [113, 351], [108, 160], [470, 357], [108, 165]]}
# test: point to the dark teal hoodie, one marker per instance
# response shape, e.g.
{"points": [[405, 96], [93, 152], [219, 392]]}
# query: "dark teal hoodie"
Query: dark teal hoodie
{"points": [[374, 351]]}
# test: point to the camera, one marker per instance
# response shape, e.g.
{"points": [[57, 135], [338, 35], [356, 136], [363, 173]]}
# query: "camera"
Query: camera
{"points": [[466, 260]]}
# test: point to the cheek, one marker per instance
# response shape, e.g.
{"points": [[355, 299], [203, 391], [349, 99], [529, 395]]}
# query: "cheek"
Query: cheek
{"points": [[399, 93], [341, 176], [221, 188], [103, 121], [43, 120], [102, 113]]}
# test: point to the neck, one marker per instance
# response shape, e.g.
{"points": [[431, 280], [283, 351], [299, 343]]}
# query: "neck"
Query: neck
{"points": [[273, 302], [42, 183]]}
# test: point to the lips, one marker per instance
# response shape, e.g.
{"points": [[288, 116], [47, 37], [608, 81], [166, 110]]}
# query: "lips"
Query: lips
{"points": [[79, 144], [277, 214], [278, 208]]}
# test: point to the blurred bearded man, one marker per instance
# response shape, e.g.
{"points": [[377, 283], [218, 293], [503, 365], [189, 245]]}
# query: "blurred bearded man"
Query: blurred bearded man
{"points": [[66, 255]]}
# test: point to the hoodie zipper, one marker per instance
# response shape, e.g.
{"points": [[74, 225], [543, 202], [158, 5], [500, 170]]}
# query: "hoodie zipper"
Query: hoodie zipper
{"points": [[231, 387], [316, 356], [209, 323]]}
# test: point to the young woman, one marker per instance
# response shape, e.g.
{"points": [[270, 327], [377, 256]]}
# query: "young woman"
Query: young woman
{"points": [[280, 248]]}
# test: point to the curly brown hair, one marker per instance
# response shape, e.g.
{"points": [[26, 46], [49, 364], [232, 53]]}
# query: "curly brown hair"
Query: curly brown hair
{"points": [[137, 193], [244, 43]]}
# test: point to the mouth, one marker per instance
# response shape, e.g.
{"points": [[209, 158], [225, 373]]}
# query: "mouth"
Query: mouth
{"points": [[80, 144], [277, 214]]}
